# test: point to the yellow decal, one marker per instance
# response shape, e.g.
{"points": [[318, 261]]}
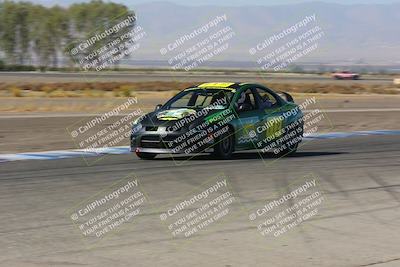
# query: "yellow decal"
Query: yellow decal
{"points": [[248, 127], [274, 129], [215, 85]]}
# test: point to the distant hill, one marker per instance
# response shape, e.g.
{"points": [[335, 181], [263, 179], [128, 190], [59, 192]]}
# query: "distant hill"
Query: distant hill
{"points": [[355, 33]]}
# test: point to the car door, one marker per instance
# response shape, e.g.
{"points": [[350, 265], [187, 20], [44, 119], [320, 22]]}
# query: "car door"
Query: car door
{"points": [[248, 120], [271, 112]]}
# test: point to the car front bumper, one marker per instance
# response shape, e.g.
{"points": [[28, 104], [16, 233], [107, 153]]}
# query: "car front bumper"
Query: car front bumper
{"points": [[151, 142]]}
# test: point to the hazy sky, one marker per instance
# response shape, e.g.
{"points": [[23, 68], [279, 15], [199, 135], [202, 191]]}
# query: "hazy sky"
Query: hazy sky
{"points": [[224, 2]]}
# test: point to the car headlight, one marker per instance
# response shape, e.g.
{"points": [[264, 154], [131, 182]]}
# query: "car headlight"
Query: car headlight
{"points": [[138, 120], [192, 126], [136, 125], [136, 128]]}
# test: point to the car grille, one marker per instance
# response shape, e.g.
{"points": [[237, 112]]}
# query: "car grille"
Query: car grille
{"points": [[155, 141], [151, 128]]}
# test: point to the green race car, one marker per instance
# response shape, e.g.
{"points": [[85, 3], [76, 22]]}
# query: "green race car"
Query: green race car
{"points": [[220, 118]]}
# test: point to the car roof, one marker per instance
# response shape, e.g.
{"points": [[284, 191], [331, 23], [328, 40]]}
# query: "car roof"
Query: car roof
{"points": [[232, 86], [219, 85]]}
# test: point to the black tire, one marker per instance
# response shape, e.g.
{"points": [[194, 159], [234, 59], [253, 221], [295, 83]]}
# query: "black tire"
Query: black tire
{"points": [[225, 146], [146, 156], [291, 150]]}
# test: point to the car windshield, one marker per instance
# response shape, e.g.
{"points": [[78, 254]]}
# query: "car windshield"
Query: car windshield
{"points": [[198, 98]]}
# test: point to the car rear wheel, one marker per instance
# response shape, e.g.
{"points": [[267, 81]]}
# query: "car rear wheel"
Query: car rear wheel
{"points": [[291, 149], [145, 156], [225, 145]]}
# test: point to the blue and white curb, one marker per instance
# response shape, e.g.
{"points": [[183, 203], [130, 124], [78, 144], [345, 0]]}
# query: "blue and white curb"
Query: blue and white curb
{"points": [[350, 134], [65, 154]]}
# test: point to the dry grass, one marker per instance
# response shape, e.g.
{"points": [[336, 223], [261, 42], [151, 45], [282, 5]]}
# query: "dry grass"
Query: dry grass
{"points": [[123, 89], [15, 91], [101, 86]]}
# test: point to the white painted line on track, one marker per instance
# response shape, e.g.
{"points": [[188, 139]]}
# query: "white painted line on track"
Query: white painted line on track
{"points": [[63, 154]]}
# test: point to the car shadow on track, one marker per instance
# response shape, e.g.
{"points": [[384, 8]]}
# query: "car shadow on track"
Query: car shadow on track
{"points": [[251, 155]]}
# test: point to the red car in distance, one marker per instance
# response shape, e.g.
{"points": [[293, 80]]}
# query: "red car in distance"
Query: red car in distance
{"points": [[346, 75]]}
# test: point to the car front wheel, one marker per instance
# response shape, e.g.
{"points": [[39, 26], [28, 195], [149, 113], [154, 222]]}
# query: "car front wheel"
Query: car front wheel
{"points": [[224, 147]]}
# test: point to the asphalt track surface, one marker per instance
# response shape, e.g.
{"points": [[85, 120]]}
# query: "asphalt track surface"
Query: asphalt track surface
{"points": [[181, 77], [357, 225]]}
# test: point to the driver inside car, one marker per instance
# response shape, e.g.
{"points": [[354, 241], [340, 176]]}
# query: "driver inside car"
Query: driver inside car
{"points": [[265, 102], [244, 102]]}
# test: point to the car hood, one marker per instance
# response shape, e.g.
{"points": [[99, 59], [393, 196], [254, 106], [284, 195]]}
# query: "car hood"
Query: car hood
{"points": [[172, 116]]}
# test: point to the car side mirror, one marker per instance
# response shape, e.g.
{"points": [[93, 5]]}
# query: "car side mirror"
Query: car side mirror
{"points": [[158, 107]]}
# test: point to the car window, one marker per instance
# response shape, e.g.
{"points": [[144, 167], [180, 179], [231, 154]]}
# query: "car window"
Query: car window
{"points": [[266, 98], [247, 101], [201, 98]]}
